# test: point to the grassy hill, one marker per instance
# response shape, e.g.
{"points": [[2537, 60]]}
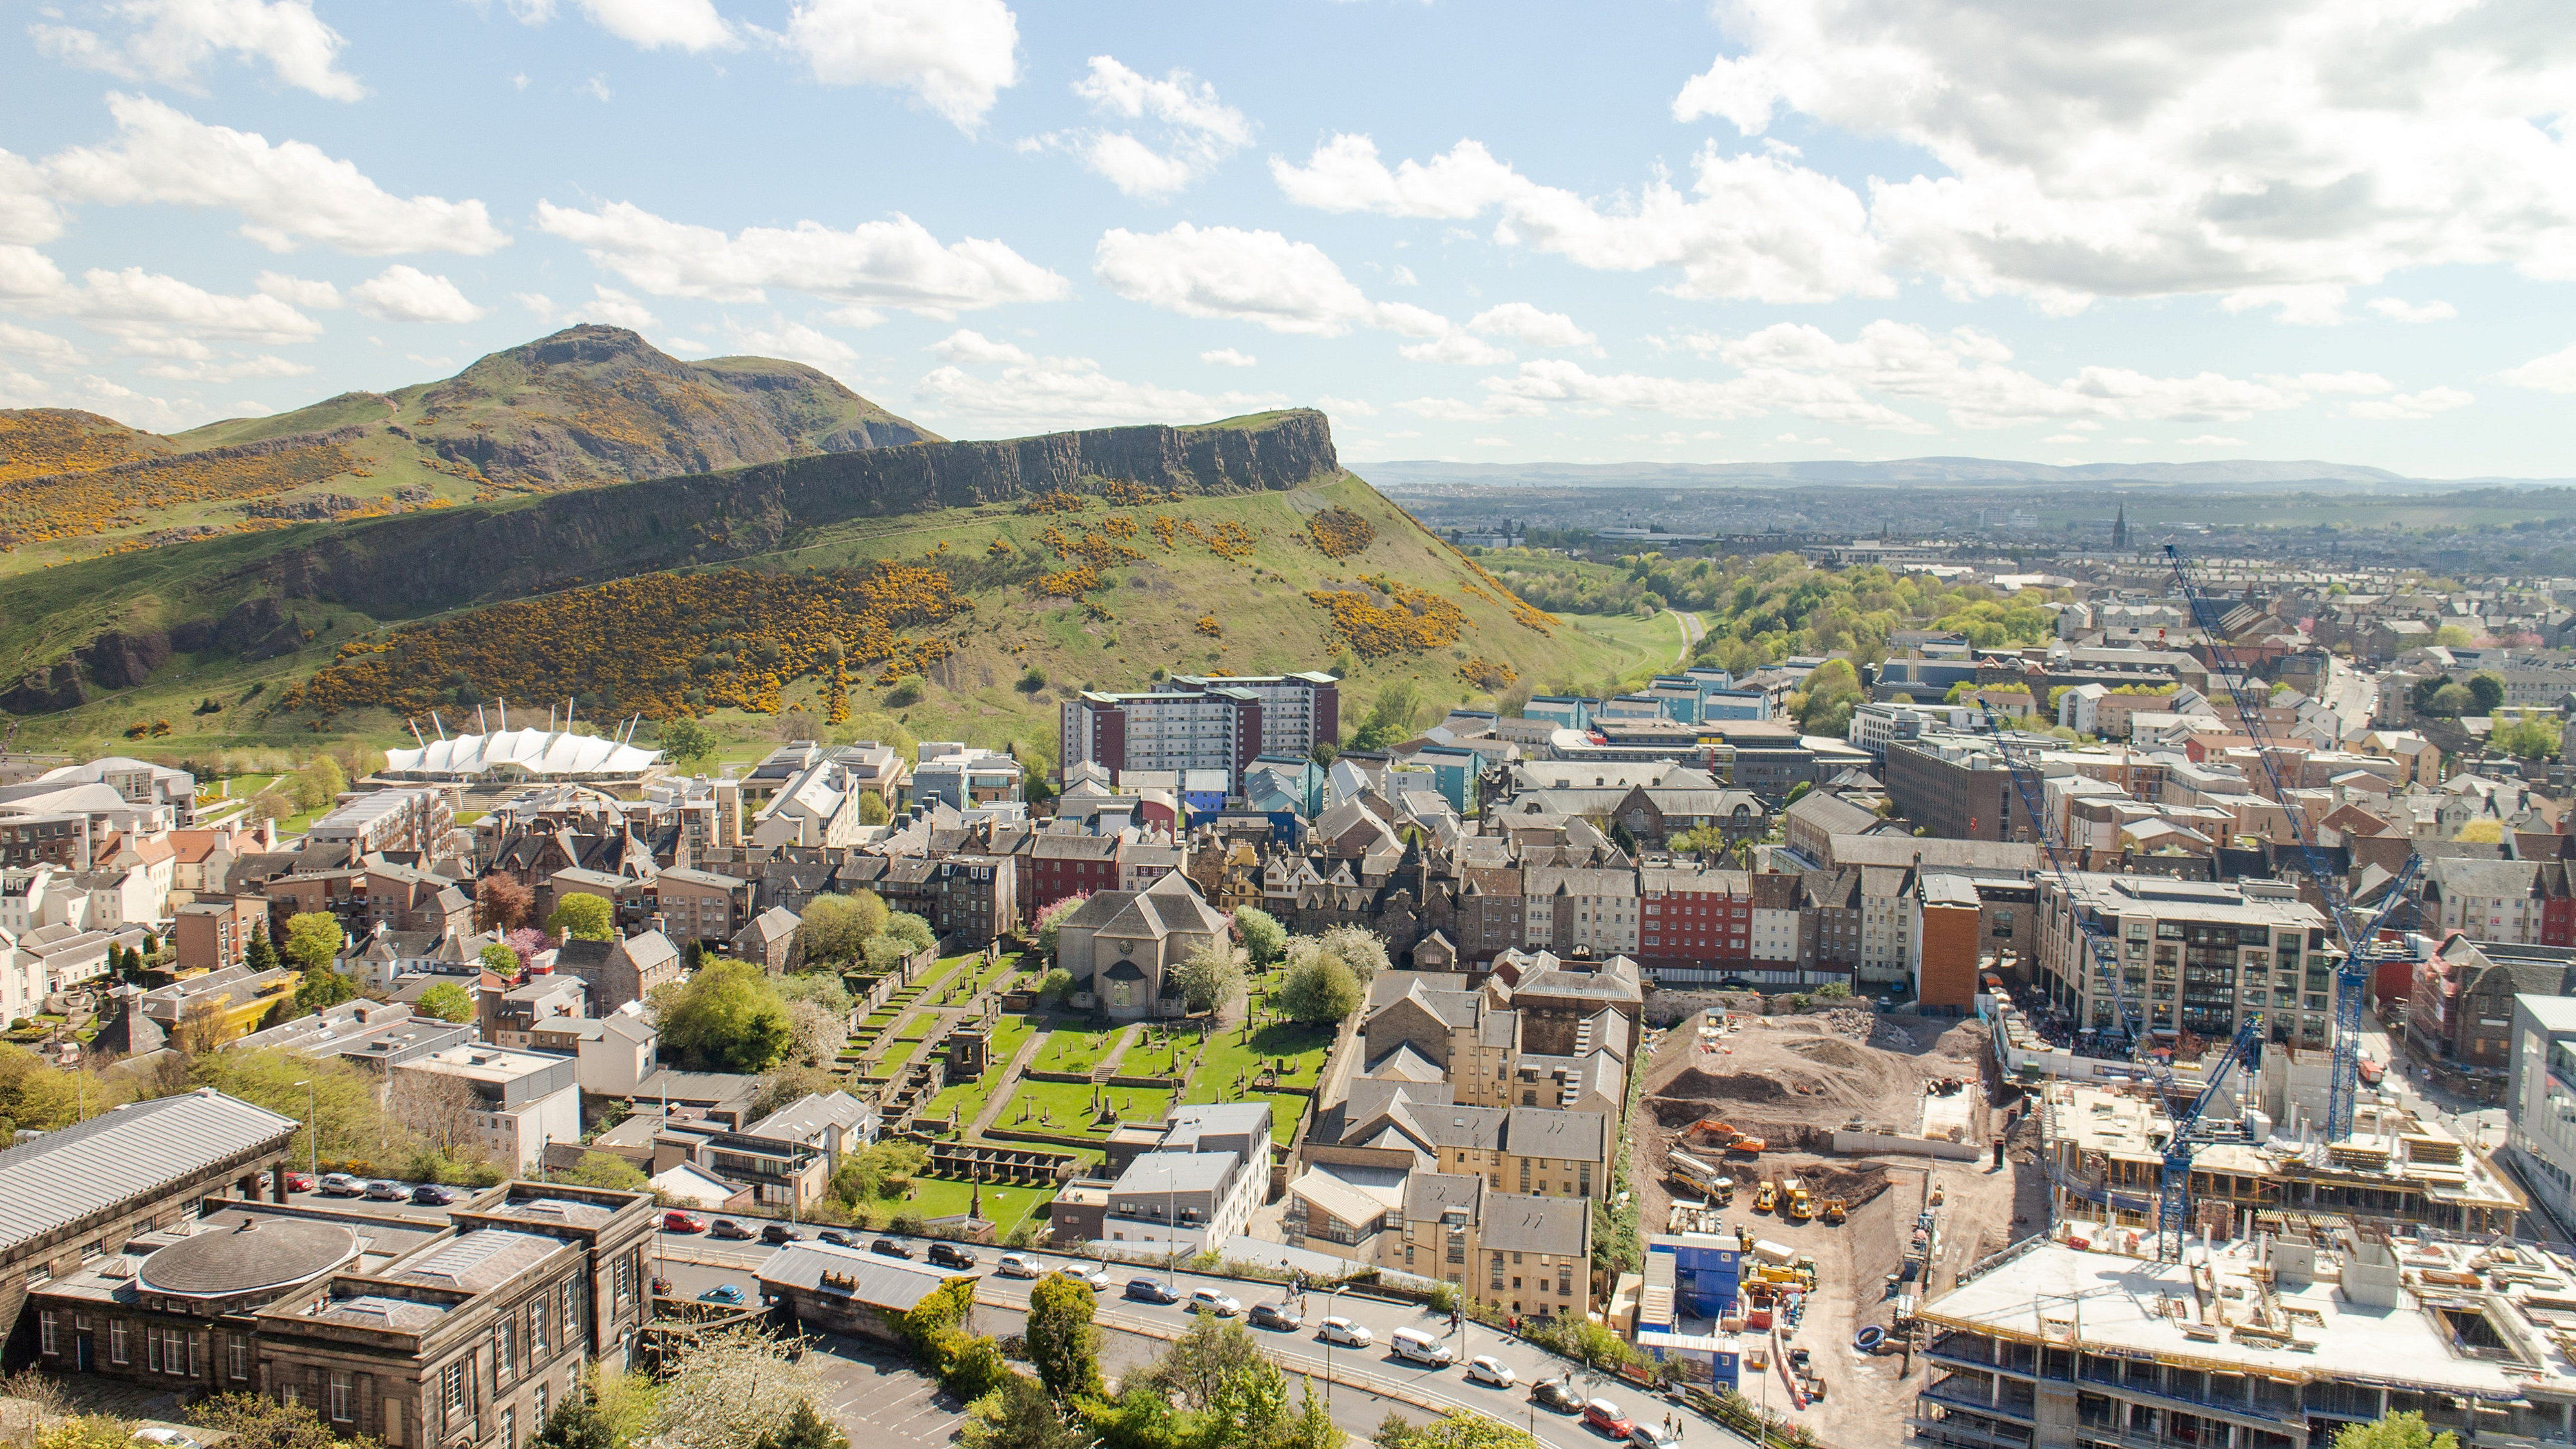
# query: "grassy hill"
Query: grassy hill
{"points": [[967, 620], [587, 406]]}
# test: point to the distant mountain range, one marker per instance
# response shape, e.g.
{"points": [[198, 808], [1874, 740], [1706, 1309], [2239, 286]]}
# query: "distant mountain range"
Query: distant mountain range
{"points": [[2235, 472]]}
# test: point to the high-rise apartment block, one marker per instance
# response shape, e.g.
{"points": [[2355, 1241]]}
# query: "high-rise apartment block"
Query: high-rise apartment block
{"points": [[1217, 728], [1297, 710]]}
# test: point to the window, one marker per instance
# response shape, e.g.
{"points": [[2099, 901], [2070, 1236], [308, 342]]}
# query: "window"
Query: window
{"points": [[571, 1309], [237, 1354], [510, 1428], [505, 1361], [540, 1406], [536, 1330], [45, 1327], [116, 1350], [344, 1407], [1584, 1171], [451, 1392]]}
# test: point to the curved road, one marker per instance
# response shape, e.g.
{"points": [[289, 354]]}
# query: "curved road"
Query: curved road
{"points": [[695, 1264], [1694, 629]]}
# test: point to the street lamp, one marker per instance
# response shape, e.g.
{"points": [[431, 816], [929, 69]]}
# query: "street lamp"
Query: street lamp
{"points": [[312, 1127]]}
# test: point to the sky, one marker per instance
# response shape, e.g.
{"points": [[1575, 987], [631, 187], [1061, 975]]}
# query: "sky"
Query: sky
{"points": [[1499, 232]]}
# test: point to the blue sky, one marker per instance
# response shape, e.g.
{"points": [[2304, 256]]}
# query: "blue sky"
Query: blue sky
{"points": [[1499, 232]]}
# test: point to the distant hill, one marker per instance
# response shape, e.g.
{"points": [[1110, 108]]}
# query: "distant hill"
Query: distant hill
{"points": [[1396, 475], [587, 406]]}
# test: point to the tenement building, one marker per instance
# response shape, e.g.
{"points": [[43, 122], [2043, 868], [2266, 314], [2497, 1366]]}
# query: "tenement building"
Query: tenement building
{"points": [[2194, 956]]}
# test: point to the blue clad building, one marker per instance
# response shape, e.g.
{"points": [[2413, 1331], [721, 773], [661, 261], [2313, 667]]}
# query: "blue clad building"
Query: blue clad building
{"points": [[1691, 1281]]}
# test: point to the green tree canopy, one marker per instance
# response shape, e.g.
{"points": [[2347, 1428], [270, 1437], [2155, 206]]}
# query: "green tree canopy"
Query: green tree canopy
{"points": [[320, 990], [1264, 939], [2487, 688], [580, 917], [607, 1170], [684, 740], [726, 1018], [1063, 1342], [262, 952], [1211, 978], [313, 940], [256, 1421], [447, 1001], [1392, 717], [836, 926], [1318, 987], [2398, 1431]]}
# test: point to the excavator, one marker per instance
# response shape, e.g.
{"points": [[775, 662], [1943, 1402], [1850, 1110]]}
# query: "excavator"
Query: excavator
{"points": [[1725, 1138]]}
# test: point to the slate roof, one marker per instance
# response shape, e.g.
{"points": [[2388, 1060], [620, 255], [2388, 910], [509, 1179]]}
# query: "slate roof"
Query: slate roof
{"points": [[1545, 1132], [134, 1151], [878, 1282]]}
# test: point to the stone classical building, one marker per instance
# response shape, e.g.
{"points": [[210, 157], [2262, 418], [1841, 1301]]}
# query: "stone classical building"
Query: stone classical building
{"points": [[1121, 946]]}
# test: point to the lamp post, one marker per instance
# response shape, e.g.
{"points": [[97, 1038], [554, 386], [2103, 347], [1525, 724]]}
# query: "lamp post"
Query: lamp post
{"points": [[312, 1128]]}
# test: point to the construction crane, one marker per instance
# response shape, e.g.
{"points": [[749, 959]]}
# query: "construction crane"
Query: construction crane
{"points": [[2352, 976], [2097, 939], [2173, 1190]]}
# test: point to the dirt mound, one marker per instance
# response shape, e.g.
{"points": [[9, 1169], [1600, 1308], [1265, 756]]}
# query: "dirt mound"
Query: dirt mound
{"points": [[1834, 1051], [1855, 1184], [1702, 1086]]}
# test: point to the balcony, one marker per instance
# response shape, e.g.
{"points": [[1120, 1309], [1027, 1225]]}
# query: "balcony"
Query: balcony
{"points": [[1965, 1433], [1969, 1391]]}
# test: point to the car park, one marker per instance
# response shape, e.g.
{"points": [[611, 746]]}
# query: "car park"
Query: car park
{"points": [[430, 1194], [835, 1237], [1419, 1347], [1344, 1332], [949, 1255], [731, 1231], [1276, 1315], [385, 1189], [777, 1233], [676, 1221], [722, 1293], [1014, 1265], [890, 1248], [341, 1184], [1151, 1290], [1484, 1370], [1604, 1417]]}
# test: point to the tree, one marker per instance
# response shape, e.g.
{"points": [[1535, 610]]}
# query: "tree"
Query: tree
{"points": [[685, 740], [2487, 688], [320, 782], [1264, 939], [796, 722], [836, 926], [2451, 701], [1017, 1414], [2482, 832], [580, 917], [500, 960], [2525, 735], [323, 989], [1063, 1341], [256, 1421], [502, 905], [872, 809], [262, 952], [1832, 692], [447, 1001], [1391, 717], [2398, 1431], [2452, 636], [732, 1390], [1458, 1429], [726, 1018], [1360, 948], [805, 1429], [1318, 988], [87, 1431], [1053, 916], [911, 930], [445, 1117], [787, 1085], [606, 1170], [1211, 977], [313, 940], [576, 1423]]}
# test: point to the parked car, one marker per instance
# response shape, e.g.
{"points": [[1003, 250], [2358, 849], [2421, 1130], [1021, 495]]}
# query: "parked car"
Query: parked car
{"points": [[1484, 1370], [1151, 1290], [1652, 1436], [176, 1438], [676, 1221], [1344, 1332], [835, 1237], [1604, 1417], [1557, 1395], [1090, 1275], [731, 1231], [1210, 1301], [949, 1255], [1420, 1347], [891, 1248], [341, 1184], [295, 1182], [1013, 1265], [385, 1189], [722, 1293], [430, 1194], [777, 1233], [1276, 1315]]}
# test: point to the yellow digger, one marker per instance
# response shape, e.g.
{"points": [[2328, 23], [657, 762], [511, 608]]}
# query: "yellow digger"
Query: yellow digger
{"points": [[1835, 1211]]}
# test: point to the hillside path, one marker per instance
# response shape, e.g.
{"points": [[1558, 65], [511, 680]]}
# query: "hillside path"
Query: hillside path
{"points": [[1693, 631], [1010, 1073]]}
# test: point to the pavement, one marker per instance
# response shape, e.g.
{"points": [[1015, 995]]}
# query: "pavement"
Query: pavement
{"points": [[883, 1392]]}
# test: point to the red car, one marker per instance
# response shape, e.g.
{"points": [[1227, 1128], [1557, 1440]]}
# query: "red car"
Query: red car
{"points": [[299, 1182], [1606, 1417], [680, 1222]]}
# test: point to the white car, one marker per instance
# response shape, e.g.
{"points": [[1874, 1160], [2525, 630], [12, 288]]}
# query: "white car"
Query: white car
{"points": [[1088, 1274], [170, 1438], [1483, 1370], [1344, 1332], [1208, 1300], [1013, 1265]]}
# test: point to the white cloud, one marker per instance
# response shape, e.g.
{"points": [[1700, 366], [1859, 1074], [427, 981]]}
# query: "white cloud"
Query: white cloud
{"points": [[92, 393], [287, 194], [691, 25], [1191, 134], [1457, 348], [2554, 373], [1755, 227], [791, 340], [402, 293], [44, 348], [170, 39], [2312, 305], [2398, 310], [149, 314], [298, 291], [1043, 393], [956, 55], [2065, 438], [27, 214], [2139, 151], [262, 365], [2205, 440], [2411, 406], [1228, 357], [893, 263], [1524, 323], [597, 87], [1248, 276], [1351, 405], [606, 305]]}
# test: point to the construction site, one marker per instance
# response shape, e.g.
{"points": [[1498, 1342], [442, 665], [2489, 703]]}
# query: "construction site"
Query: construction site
{"points": [[1851, 1155]]}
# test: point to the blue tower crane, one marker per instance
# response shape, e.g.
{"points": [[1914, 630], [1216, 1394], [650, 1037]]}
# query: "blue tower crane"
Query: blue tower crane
{"points": [[2173, 1195]]}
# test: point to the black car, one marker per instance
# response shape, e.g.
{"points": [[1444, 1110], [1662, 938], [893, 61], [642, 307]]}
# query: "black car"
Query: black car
{"points": [[835, 1237], [728, 1228], [430, 1194], [1554, 1394], [777, 1233], [1151, 1290], [949, 1255], [1276, 1315], [891, 1248]]}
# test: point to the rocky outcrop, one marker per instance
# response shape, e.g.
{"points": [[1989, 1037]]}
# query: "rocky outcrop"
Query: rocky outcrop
{"points": [[45, 691], [118, 659]]}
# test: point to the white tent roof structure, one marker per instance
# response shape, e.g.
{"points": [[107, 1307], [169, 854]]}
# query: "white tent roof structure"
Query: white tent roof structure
{"points": [[529, 753]]}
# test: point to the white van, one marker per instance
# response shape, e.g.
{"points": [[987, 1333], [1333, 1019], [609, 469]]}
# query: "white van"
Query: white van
{"points": [[1420, 1347]]}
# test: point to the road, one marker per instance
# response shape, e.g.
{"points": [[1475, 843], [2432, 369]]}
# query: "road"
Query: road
{"points": [[1693, 631], [1361, 1384]]}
